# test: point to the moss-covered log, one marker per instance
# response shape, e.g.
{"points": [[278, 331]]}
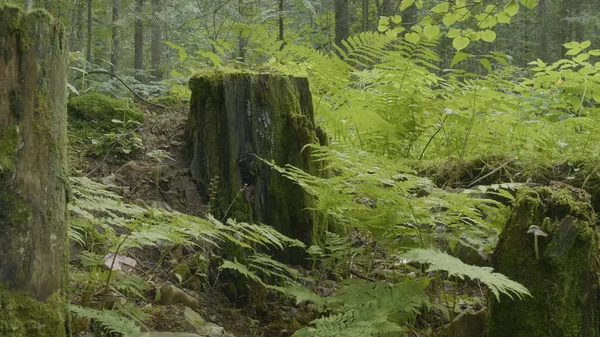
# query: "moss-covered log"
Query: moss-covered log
{"points": [[33, 181], [237, 118], [563, 280]]}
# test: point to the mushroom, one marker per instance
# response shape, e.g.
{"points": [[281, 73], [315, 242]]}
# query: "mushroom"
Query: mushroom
{"points": [[536, 231]]}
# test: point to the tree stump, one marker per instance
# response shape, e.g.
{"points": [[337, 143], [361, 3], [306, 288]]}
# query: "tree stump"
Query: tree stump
{"points": [[33, 175], [563, 280], [237, 118]]}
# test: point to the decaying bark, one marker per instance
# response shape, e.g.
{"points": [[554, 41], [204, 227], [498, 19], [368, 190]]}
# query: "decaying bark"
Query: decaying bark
{"points": [[33, 176], [237, 118]]}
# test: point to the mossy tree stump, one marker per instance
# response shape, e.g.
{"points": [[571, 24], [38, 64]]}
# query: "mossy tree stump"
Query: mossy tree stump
{"points": [[237, 118], [563, 280], [33, 179]]}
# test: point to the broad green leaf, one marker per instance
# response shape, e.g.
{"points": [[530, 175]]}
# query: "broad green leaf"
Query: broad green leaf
{"points": [[573, 51], [459, 57], [571, 45], [397, 19], [595, 52], [488, 36], [460, 42], [413, 38], [581, 57], [503, 17], [449, 19], [405, 4], [486, 63], [512, 8], [431, 31], [585, 44], [596, 96], [452, 33], [441, 8], [529, 3]]}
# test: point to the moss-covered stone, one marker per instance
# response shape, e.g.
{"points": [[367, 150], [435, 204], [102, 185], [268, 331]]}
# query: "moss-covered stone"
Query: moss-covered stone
{"points": [[100, 110], [9, 141], [237, 118], [563, 281]]}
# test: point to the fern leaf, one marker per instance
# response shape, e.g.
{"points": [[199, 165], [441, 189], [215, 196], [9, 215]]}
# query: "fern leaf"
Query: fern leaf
{"points": [[498, 283]]}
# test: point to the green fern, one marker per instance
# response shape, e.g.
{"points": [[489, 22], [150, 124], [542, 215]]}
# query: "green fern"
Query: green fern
{"points": [[110, 320], [496, 282]]}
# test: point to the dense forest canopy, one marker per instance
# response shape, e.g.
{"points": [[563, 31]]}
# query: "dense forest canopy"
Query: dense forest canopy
{"points": [[435, 175]]}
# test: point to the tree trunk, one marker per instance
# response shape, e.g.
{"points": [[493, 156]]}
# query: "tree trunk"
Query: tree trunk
{"points": [[409, 17], [138, 43], [114, 57], [365, 15], [341, 22], [281, 20], [387, 8], [545, 53], [88, 56], [235, 119], [156, 46], [561, 273], [33, 175]]}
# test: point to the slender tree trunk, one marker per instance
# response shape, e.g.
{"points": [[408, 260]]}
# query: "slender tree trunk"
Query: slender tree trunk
{"points": [[88, 56], [33, 175], [281, 20], [365, 15], [156, 46], [544, 43], [409, 17], [28, 4], [114, 58], [388, 8], [341, 22], [139, 42]]}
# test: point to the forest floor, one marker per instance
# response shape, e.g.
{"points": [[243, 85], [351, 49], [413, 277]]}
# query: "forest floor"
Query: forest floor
{"points": [[167, 183]]}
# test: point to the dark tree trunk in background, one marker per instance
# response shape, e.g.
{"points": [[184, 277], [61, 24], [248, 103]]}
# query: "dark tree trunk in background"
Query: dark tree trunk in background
{"points": [[342, 25], [156, 46], [88, 56], [114, 57], [138, 43], [545, 53], [563, 280], [387, 7], [233, 119], [409, 17], [281, 20], [33, 175], [365, 15]]}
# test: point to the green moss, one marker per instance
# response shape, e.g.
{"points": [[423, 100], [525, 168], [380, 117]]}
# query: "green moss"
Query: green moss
{"points": [[562, 281], [182, 270], [168, 100], [99, 110], [9, 142], [22, 315]]}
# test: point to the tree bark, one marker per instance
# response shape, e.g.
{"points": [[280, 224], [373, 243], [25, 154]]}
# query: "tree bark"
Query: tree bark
{"points": [[156, 46], [281, 20], [139, 42], [365, 15], [88, 56], [234, 120], [114, 57], [33, 175], [342, 27], [544, 41]]}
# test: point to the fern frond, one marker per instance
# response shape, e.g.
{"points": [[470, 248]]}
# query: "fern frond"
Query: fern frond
{"points": [[110, 320], [498, 283]]}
